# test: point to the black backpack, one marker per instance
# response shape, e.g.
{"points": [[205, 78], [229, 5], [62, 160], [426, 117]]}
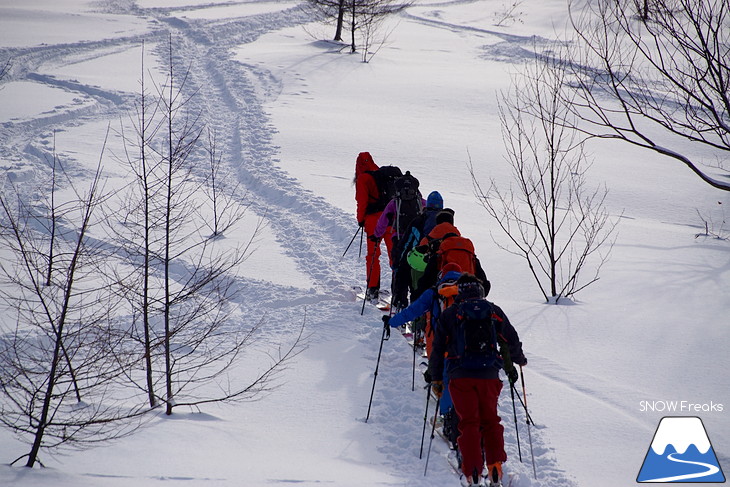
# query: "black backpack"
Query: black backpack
{"points": [[420, 226], [385, 178], [408, 202], [476, 336]]}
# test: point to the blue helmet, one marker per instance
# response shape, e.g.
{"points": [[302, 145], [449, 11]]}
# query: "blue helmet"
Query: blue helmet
{"points": [[435, 200]]}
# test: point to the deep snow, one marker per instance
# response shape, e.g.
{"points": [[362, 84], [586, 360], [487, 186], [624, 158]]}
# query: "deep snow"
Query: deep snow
{"points": [[294, 111]]}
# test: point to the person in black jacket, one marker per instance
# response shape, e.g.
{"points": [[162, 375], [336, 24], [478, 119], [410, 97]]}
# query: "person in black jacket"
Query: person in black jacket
{"points": [[405, 278], [475, 391]]}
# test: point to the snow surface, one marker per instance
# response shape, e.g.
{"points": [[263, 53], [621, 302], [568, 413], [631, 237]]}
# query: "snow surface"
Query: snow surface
{"points": [[294, 111]]}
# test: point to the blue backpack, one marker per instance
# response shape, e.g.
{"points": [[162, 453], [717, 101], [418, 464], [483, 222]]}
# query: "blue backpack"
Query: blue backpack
{"points": [[476, 336]]}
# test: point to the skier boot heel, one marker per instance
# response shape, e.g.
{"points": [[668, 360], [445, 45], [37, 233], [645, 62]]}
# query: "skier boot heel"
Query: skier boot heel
{"points": [[494, 474]]}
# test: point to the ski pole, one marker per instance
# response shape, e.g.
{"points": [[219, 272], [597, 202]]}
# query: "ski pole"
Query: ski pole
{"points": [[359, 229], [433, 429], [514, 413], [425, 418], [386, 336], [413, 383], [529, 421], [529, 417]]}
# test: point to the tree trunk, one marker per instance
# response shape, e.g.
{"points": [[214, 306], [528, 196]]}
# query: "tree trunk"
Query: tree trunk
{"points": [[38, 440], [166, 263], [146, 195], [352, 28], [340, 20]]}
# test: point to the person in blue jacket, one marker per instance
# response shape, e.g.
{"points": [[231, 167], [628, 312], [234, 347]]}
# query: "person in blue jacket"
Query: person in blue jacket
{"points": [[427, 301]]}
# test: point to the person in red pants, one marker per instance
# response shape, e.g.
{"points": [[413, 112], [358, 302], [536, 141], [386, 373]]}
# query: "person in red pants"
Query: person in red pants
{"points": [[367, 197], [474, 382]]}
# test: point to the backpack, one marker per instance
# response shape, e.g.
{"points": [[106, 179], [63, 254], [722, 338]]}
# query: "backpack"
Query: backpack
{"points": [[459, 250], [421, 225], [446, 294], [476, 336], [385, 177], [408, 202]]}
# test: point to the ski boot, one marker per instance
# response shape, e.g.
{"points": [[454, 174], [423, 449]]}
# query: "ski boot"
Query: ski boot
{"points": [[494, 475], [372, 294], [473, 480]]}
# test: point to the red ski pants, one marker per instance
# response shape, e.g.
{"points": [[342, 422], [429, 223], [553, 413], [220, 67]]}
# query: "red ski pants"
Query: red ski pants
{"points": [[475, 401], [373, 256]]}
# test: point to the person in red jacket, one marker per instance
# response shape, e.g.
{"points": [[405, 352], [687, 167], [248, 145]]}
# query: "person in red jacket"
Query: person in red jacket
{"points": [[366, 193]]}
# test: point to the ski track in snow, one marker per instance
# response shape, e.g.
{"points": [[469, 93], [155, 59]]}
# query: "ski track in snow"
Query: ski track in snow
{"points": [[234, 94]]}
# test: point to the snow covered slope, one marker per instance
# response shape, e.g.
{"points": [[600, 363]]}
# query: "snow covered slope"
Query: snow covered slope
{"points": [[292, 112]]}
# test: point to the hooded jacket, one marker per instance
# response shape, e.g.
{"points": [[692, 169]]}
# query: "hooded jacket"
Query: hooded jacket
{"points": [[366, 190]]}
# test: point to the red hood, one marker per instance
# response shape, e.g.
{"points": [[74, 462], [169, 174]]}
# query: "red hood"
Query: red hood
{"points": [[364, 163]]}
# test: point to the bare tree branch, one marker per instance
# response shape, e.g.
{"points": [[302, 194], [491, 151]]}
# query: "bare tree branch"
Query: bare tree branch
{"points": [[657, 80]]}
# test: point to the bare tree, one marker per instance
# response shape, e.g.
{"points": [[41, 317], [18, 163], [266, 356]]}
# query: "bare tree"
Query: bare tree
{"points": [[361, 17], [658, 80], [509, 14], [222, 191], [184, 315], [5, 68], [551, 218], [714, 223], [58, 370], [135, 233], [330, 11]]}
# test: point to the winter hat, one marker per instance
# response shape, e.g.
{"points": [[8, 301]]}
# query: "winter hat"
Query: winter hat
{"points": [[449, 267], [445, 215], [434, 200], [471, 287], [470, 290]]}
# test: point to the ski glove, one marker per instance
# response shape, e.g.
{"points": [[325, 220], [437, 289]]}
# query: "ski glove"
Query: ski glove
{"points": [[373, 238], [512, 375], [361, 223], [437, 387], [386, 320]]}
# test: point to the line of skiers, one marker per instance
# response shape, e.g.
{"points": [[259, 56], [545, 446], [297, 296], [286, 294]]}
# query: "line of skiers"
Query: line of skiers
{"points": [[439, 285]]}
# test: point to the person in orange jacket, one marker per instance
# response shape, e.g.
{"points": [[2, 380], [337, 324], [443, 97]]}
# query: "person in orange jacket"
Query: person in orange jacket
{"points": [[443, 230], [366, 194]]}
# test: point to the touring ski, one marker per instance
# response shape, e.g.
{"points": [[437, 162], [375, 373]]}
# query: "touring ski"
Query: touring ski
{"points": [[382, 303]]}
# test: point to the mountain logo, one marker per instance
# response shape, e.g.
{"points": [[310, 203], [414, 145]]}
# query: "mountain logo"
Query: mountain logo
{"points": [[680, 452]]}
